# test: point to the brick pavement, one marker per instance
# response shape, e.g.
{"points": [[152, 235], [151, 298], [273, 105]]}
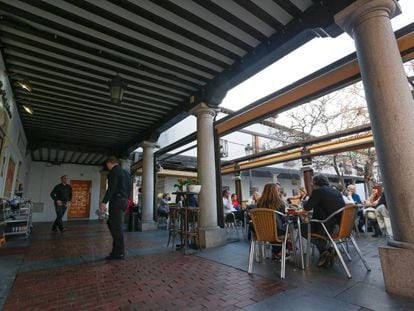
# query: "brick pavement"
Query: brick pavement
{"points": [[166, 280]]}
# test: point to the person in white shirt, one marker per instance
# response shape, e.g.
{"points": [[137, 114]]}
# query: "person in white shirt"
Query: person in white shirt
{"points": [[229, 209]]}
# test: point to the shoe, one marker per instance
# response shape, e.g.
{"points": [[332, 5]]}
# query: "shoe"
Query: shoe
{"points": [[331, 261], [54, 231], [278, 257], [324, 258], [115, 257]]}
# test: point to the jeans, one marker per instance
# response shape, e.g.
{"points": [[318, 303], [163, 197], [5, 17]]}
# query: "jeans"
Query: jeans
{"points": [[60, 212], [117, 207]]}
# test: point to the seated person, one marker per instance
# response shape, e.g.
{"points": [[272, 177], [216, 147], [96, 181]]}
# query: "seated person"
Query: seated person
{"points": [[180, 200], [357, 199], [228, 208], [372, 202], [346, 195], [300, 198], [254, 198], [382, 217], [235, 201], [271, 199], [164, 207], [324, 201]]}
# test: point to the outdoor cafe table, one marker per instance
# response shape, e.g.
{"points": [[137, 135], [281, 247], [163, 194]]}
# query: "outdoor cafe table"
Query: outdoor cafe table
{"points": [[299, 216]]}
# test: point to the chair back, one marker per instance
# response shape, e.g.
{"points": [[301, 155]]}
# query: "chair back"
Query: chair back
{"points": [[346, 226], [264, 224]]}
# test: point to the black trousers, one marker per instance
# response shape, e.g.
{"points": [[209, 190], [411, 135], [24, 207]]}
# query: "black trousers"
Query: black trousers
{"points": [[116, 210], [60, 212]]}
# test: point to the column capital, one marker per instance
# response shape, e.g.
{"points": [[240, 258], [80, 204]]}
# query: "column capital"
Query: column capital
{"points": [[203, 108], [148, 144], [357, 12]]}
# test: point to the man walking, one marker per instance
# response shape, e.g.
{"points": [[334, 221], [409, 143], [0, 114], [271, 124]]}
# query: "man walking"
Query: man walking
{"points": [[61, 195], [119, 188]]}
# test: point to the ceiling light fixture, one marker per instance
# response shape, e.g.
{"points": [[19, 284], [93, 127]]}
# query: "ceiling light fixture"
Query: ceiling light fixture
{"points": [[25, 84], [28, 108], [117, 88], [22, 81]]}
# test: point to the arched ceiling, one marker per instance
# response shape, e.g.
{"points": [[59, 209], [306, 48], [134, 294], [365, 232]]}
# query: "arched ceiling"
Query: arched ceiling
{"points": [[172, 54]]}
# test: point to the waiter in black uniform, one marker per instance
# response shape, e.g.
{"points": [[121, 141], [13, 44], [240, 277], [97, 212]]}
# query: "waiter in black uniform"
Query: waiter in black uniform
{"points": [[119, 188], [61, 195]]}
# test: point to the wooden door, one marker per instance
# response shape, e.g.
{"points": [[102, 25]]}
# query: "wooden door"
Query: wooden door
{"points": [[81, 199]]}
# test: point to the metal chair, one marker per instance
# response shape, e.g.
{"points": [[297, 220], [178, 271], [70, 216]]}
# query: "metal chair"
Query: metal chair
{"points": [[232, 223], [349, 213], [265, 233]]}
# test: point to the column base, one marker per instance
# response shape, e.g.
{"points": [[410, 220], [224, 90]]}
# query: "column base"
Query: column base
{"points": [[147, 226], [396, 266], [212, 237]]}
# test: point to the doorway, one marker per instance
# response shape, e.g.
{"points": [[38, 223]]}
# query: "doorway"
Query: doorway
{"points": [[79, 207]]}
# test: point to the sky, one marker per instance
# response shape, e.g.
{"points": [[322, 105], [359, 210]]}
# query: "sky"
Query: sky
{"points": [[296, 65]]}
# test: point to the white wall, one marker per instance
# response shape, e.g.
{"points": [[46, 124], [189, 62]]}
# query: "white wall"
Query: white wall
{"points": [[44, 176], [14, 133]]}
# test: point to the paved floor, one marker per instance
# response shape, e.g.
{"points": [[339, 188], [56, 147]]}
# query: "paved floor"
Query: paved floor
{"points": [[67, 272]]}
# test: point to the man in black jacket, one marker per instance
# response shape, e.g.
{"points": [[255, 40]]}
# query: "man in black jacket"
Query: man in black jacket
{"points": [[324, 201], [117, 194], [61, 195]]}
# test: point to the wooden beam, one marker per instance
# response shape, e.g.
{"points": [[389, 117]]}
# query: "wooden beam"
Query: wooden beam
{"points": [[360, 141]]}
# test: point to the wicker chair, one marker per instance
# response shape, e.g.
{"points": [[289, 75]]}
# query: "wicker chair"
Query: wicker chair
{"points": [[343, 234], [265, 232]]}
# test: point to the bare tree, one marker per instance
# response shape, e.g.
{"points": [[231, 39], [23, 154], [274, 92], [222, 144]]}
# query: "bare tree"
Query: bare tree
{"points": [[342, 109]]}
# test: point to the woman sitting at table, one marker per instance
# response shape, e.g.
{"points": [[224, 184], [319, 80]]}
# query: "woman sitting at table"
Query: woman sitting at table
{"points": [[271, 199], [254, 198], [300, 198], [164, 207], [235, 201], [229, 209], [324, 201], [372, 202]]}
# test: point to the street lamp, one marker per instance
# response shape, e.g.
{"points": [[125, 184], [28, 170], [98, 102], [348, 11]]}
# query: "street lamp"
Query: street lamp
{"points": [[249, 151]]}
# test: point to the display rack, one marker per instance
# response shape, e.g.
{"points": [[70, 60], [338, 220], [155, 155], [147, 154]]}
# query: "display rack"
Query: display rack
{"points": [[18, 218]]}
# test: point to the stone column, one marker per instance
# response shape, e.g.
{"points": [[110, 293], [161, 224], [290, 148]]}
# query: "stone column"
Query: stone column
{"points": [[147, 222], [210, 234], [391, 111]]}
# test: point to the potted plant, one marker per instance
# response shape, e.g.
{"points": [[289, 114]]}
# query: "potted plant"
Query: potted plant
{"points": [[182, 184], [193, 185]]}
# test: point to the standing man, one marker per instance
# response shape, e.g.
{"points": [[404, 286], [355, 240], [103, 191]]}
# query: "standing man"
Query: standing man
{"points": [[117, 194], [61, 195]]}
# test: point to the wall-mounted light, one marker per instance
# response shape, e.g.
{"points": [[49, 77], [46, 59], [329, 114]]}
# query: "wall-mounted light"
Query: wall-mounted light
{"points": [[117, 88]]}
